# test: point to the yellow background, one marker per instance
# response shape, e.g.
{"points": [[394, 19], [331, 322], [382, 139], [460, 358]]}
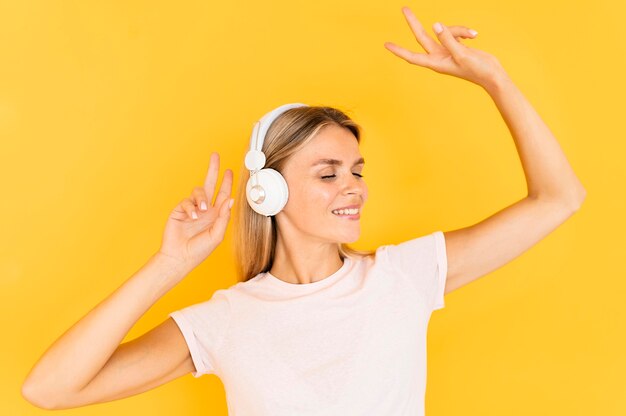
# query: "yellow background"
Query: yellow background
{"points": [[109, 112]]}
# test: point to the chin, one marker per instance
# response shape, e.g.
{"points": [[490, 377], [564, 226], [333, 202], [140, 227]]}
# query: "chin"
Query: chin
{"points": [[350, 239]]}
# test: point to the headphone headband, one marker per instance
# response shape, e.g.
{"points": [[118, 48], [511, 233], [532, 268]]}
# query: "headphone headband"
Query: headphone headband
{"points": [[266, 190], [255, 158]]}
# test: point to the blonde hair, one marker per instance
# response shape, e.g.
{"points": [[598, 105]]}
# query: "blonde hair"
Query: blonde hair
{"points": [[255, 234]]}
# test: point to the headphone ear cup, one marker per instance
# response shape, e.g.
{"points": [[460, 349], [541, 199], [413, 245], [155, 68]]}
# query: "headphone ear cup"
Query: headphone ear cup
{"points": [[269, 187]]}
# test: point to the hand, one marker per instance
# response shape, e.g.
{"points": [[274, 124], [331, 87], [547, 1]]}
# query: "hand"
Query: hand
{"points": [[451, 56], [190, 240]]}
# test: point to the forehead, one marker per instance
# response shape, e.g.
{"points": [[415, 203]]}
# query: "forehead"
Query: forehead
{"points": [[331, 142]]}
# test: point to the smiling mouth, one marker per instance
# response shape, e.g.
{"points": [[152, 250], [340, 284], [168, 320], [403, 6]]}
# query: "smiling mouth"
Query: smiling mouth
{"points": [[348, 216]]}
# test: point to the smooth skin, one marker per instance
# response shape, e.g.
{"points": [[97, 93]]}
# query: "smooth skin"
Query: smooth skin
{"points": [[554, 191], [308, 234], [87, 364]]}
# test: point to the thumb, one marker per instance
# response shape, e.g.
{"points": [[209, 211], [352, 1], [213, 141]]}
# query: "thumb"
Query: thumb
{"points": [[447, 39]]}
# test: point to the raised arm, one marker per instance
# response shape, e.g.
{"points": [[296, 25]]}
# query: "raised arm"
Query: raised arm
{"points": [[554, 191], [554, 195], [87, 364]]}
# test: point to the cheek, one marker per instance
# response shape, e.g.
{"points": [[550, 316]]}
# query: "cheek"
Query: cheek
{"points": [[308, 197], [321, 198]]}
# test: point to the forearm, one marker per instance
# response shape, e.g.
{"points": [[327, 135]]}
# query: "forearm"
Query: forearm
{"points": [[547, 171], [74, 359]]}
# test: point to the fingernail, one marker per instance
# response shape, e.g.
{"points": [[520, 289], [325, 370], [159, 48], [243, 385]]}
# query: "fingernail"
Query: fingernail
{"points": [[438, 28], [203, 206], [194, 215], [473, 32], [230, 204]]}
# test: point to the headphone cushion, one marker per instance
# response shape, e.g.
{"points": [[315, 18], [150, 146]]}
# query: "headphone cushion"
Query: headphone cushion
{"points": [[276, 191]]}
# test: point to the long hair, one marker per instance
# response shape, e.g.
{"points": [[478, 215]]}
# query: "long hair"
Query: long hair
{"points": [[255, 235]]}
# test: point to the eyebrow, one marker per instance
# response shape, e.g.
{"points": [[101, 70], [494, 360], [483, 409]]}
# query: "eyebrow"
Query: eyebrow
{"points": [[335, 162]]}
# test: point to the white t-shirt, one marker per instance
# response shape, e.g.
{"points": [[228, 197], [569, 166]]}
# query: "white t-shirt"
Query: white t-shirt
{"points": [[353, 343]]}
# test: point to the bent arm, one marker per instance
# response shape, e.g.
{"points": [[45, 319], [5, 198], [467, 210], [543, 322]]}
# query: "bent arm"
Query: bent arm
{"points": [[554, 195], [79, 355], [548, 174]]}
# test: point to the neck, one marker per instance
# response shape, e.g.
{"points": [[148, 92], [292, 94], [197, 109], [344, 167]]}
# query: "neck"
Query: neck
{"points": [[305, 263]]}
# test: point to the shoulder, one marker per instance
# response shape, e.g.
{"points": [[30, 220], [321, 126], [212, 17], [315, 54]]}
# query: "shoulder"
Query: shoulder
{"points": [[414, 250]]}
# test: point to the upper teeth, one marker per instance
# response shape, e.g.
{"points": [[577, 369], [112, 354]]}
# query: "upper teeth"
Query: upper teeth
{"points": [[346, 211]]}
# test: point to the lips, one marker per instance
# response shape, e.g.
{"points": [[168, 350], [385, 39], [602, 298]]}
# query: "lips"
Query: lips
{"points": [[349, 217], [348, 207]]}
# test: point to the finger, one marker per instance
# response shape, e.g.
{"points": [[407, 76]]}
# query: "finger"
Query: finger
{"points": [[462, 32], [456, 49], [418, 30], [411, 57], [218, 229], [225, 210], [189, 208], [422, 58], [211, 177], [225, 188], [200, 198]]}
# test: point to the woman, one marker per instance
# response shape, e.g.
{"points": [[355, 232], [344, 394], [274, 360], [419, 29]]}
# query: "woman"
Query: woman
{"points": [[313, 327]]}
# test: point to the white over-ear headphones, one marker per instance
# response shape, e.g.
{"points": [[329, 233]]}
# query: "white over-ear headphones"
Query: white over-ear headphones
{"points": [[266, 190]]}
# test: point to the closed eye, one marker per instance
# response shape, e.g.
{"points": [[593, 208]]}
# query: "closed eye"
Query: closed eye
{"points": [[332, 176]]}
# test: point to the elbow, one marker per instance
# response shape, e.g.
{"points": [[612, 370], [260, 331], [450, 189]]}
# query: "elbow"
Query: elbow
{"points": [[572, 201], [573, 206], [41, 397], [582, 194], [30, 394]]}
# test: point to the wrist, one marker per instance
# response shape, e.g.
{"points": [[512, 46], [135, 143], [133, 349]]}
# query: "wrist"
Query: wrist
{"points": [[496, 82], [174, 266]]}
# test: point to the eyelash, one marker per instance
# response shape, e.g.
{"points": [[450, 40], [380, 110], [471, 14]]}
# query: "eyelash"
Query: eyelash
{"points": [[332, 176]]}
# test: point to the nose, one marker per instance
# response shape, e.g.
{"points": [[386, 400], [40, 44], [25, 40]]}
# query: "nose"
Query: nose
{"points": [[355, 185]]}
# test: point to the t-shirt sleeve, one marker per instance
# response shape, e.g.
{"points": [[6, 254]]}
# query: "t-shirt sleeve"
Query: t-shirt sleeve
{"points": [[424, 261], [203, 326]]}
